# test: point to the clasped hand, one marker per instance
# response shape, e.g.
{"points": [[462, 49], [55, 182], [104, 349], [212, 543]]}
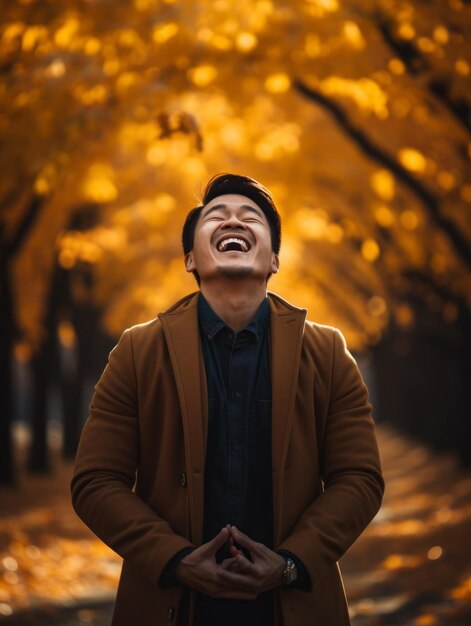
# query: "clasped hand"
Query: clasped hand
{"points": [[237, 577]]}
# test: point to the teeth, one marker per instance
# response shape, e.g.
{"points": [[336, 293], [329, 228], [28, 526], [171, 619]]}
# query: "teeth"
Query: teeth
{"points": [[222, 246]]}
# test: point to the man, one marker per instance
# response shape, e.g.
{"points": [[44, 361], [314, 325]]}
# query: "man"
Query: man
{"points": [[230, 455]]}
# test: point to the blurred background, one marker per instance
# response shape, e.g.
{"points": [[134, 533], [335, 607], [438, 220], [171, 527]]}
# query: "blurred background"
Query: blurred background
{"points": [[357, 116]]}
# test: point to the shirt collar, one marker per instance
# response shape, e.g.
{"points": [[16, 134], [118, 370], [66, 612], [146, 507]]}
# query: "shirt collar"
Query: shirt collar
{"points": [[211, 324]]}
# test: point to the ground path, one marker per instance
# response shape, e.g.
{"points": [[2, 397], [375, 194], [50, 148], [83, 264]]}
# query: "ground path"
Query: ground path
{"points": [[411, 567]]}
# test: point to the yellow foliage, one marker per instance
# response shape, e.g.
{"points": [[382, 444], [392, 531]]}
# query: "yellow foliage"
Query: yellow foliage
{"points": [[425, 44], [92, 46], [353, 35], [406, 31], [246, 41], [435, 553], [370, 250], [366, 93], [319, 8], [446, 180], [466, 193], [403, 561], [462, 67], [125, 81], [441, 34], [46, 180], [462, 591], [277, 83], [66, 334], [426, 619], [65, 35], [382, 182], [164, 32], [138, 117], [32, 36], [94, 95], [12, 31], [165, 202], [278, 142], [409, 219], [221, 42], [56, 69], [99, 185], [311, 224], [404, 315], [334, 233], [100, 190], [202, 75], [384, 216], [412, 159], [376, 306], [112, 66], [313, 45], [397, 66]]}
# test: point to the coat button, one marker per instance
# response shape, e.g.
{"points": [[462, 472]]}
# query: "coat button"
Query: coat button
{"points": [[171, 613], [183, 479]]}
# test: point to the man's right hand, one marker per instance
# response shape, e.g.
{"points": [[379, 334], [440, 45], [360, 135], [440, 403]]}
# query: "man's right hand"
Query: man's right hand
{"points": [[200, 571]]}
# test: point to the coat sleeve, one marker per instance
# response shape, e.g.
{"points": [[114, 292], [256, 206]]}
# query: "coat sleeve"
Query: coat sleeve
{"points": [[105, 470], [350, 470]]}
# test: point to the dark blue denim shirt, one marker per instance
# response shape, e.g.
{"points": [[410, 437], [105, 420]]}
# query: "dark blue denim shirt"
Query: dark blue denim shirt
{"points": [[238, 471]]}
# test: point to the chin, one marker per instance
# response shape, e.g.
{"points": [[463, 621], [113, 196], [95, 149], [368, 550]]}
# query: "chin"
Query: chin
{"points": [[236, 270]]}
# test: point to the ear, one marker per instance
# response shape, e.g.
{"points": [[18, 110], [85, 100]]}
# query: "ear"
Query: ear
{"points": [[275, 263], [190, 262]]}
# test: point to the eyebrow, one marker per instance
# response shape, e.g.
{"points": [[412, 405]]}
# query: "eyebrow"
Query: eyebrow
{"points": [[246, 207]]}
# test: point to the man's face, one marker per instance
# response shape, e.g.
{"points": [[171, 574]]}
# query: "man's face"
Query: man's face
{"points": [[232, 238]]}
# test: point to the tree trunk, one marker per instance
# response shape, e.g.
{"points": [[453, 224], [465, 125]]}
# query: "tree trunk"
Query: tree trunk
{"points": [[71, 383], [422, 382], [7, 333], [41, 365]]}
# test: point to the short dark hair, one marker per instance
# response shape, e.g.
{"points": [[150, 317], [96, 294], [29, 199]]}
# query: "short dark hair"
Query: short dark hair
{"points": [[223, 184]]}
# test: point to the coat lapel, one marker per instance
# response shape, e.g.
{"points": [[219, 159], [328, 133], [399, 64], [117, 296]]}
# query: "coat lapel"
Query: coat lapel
{"points": [[180, 326], [286, 333]]}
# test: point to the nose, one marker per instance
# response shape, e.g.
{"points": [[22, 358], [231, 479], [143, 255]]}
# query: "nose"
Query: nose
{"points": [[233, 221]]}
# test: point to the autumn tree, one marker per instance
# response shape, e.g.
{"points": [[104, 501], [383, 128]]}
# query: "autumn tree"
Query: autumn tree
{"points": [[355, 115]]}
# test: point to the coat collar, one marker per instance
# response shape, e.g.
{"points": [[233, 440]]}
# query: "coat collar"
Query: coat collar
{"points": [[180, 326]]}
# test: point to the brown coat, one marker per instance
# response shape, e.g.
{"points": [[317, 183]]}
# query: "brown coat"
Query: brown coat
{"points": [[147, 428]]}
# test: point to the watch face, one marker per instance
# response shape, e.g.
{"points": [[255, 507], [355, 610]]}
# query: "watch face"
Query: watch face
{"points": [[290, 575]]}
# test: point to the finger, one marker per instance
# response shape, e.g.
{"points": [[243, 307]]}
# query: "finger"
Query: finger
{"points": [[236, 580], [234, 551], [231, 563], [244, 540], [217, 542], [242, 565]]}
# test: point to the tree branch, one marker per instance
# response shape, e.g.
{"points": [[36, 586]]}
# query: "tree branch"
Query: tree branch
{"points": [[419, 277], [11, 247], [378, 154], [416, 64]]}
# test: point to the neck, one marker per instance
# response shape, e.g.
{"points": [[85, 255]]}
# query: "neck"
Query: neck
{"points": [[234, 302]]}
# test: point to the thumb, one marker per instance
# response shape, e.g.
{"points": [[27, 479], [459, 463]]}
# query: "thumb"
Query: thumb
{"points": [[218, 541], [244, 540]]}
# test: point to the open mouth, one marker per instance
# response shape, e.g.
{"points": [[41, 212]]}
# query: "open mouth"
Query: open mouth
{"points": [[233, 244]]}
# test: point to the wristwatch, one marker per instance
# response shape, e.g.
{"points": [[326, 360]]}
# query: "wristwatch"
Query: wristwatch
{"points": [[290, 573]]}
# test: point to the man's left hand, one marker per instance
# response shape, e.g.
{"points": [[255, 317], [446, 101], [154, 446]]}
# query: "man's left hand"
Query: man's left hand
{"points": [[264, 572]]}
